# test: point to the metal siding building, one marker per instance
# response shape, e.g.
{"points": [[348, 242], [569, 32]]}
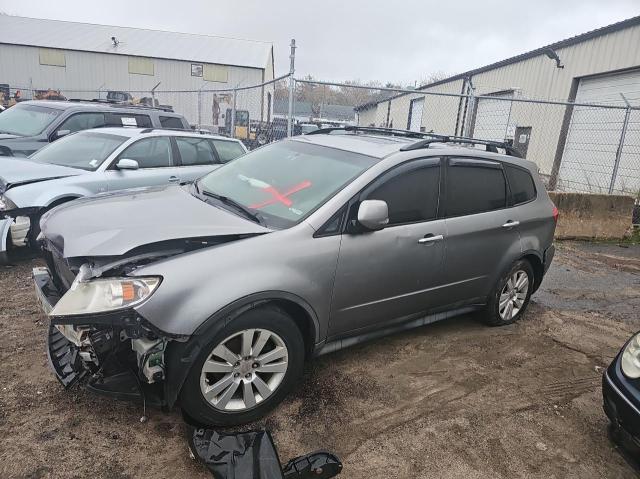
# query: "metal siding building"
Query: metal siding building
{"points": [[610, 53], [83, 61]]}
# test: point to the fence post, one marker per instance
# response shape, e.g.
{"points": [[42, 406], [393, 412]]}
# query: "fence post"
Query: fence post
{"points": [[200, 108], [625, 124], [470, 109], [153, 97], [233, 114], [292, 68]]}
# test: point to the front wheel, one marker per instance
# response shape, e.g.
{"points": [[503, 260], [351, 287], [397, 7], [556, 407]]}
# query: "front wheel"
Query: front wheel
{"points": [[244, 370], [511, 295]]}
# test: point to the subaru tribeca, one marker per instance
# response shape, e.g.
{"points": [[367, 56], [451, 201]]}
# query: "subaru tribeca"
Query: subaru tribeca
{"points": [[216, 292]]}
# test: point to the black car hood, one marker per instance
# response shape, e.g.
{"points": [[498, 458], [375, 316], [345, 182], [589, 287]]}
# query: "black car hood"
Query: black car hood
{"points": [[112, 224]]}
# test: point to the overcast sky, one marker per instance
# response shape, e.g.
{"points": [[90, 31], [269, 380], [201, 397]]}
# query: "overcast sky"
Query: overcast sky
{"points": [[394, 40]]}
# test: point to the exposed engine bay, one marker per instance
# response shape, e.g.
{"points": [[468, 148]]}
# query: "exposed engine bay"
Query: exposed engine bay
{"points": [[115, 352]]}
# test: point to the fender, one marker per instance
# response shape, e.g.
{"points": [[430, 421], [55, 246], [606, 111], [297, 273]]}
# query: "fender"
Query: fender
{"points": [[180, 356]]}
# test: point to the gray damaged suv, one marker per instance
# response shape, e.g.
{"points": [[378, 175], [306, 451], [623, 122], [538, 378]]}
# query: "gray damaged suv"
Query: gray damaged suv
{"points": [[215, 293]]}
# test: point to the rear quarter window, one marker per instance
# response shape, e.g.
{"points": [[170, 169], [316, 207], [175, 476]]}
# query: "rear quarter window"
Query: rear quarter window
{"points": [[228, 150], [521, 183], [171, 122]]}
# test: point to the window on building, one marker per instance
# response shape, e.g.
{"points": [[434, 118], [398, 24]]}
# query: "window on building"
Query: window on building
{"points": [[150, 153], [475, 187], [195, 151], [521, 183], [196, 69], [171, 122], [216, 73], [141, 66], [51, 57], [228, 150], [411, 196]]}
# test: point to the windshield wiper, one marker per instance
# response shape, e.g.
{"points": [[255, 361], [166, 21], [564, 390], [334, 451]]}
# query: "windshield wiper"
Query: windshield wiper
{"points": [[255, 216]]}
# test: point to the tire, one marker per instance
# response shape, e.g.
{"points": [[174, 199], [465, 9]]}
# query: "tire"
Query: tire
{"points": [[495, 315], [228, 404]]}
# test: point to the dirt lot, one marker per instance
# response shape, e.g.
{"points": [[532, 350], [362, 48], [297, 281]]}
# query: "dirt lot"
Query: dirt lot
{"points": [[454, 399]]}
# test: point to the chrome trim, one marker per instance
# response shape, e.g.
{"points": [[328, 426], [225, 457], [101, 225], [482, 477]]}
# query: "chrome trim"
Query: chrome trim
{"points": [[431, 239]]}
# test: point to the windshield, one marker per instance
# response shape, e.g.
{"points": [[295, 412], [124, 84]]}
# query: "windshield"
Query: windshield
{"points": [[85, 150], [26, 120], [285, 181]]}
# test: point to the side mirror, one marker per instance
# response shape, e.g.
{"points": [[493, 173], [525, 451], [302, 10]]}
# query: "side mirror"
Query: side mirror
{"points": [[61, 133], [373, 214], [126, 164]]}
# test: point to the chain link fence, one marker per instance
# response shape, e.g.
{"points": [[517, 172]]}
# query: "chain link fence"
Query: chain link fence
{"points": [[592, 148]]}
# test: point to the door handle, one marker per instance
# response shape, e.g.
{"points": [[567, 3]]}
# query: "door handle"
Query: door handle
{"points": [[430, 238], [174, 179], [510, 224]]}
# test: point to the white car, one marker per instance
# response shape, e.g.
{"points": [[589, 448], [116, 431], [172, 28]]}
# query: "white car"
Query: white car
{"points": [[98, 161]]}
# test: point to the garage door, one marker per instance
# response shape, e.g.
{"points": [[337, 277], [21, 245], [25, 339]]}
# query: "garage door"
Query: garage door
{"points": [[594, 135], [492, 117], [415, 114]]}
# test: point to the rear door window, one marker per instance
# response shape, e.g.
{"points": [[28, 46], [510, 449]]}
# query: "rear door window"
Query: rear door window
{"points": [[150, 152], [474, 186], [171, 122], [129, 119], [521, 183], [195, 151], [228, 150]]}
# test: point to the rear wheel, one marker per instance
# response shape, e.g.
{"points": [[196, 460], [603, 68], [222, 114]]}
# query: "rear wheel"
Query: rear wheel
{"points": [[244, 370], [511, 295]]}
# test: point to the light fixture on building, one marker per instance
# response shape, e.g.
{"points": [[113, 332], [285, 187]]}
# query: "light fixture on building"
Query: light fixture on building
{"points": [[554, 56], [115, 41]]}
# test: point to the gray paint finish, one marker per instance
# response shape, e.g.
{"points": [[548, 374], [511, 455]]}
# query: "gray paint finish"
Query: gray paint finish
{"points": [[353, 281]]}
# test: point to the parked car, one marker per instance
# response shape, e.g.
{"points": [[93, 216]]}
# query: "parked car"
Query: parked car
{"points": [[30, 125], [96, 161], [216, 292], [621, 394]]}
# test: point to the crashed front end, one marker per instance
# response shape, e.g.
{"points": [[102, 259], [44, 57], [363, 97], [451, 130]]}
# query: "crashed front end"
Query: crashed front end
{"points": [[96, 337]]}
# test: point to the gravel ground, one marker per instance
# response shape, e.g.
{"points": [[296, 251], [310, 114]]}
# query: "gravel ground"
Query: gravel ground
{"points": [[454, 399]]}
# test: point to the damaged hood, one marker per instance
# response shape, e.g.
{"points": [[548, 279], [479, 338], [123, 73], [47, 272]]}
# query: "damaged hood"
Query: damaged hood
{"points": [[15, 171], [115, 223]]}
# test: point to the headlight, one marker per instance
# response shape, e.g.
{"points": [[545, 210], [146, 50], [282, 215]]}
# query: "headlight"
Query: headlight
{"points": [[102, 295], [631, 358], [6, 204]]}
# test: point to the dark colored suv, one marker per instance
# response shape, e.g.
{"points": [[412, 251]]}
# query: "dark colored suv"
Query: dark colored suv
{"points": [[30, 125]]}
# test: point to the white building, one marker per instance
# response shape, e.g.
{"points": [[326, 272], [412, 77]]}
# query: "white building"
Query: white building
{"points": [[577, 143], [86, 61]]}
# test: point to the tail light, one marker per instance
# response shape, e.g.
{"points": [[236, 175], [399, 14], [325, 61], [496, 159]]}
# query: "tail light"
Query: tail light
{"points": [[555, 214]]}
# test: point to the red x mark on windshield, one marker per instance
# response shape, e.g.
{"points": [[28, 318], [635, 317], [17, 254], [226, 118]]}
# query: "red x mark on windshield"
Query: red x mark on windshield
{"points": [[281, 197]]}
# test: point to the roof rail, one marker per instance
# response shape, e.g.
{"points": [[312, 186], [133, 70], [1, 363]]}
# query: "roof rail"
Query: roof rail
{"points": [[118, 104], [199, 131], [378, 130], [491, 146]]}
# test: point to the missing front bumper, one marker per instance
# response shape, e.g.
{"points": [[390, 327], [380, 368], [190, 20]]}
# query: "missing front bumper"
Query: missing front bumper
{"points": [[95, 350]]}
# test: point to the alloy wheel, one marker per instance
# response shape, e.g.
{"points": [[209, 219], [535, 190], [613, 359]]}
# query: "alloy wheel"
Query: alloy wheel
{"points": [[513, 295], [244, 370]]}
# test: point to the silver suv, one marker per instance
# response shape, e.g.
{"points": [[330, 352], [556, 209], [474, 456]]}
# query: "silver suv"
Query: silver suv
{"points": [[215, 293]]}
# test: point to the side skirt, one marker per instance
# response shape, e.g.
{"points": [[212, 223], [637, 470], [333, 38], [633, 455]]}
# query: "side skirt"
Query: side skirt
{"points": [[338, 344]]}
